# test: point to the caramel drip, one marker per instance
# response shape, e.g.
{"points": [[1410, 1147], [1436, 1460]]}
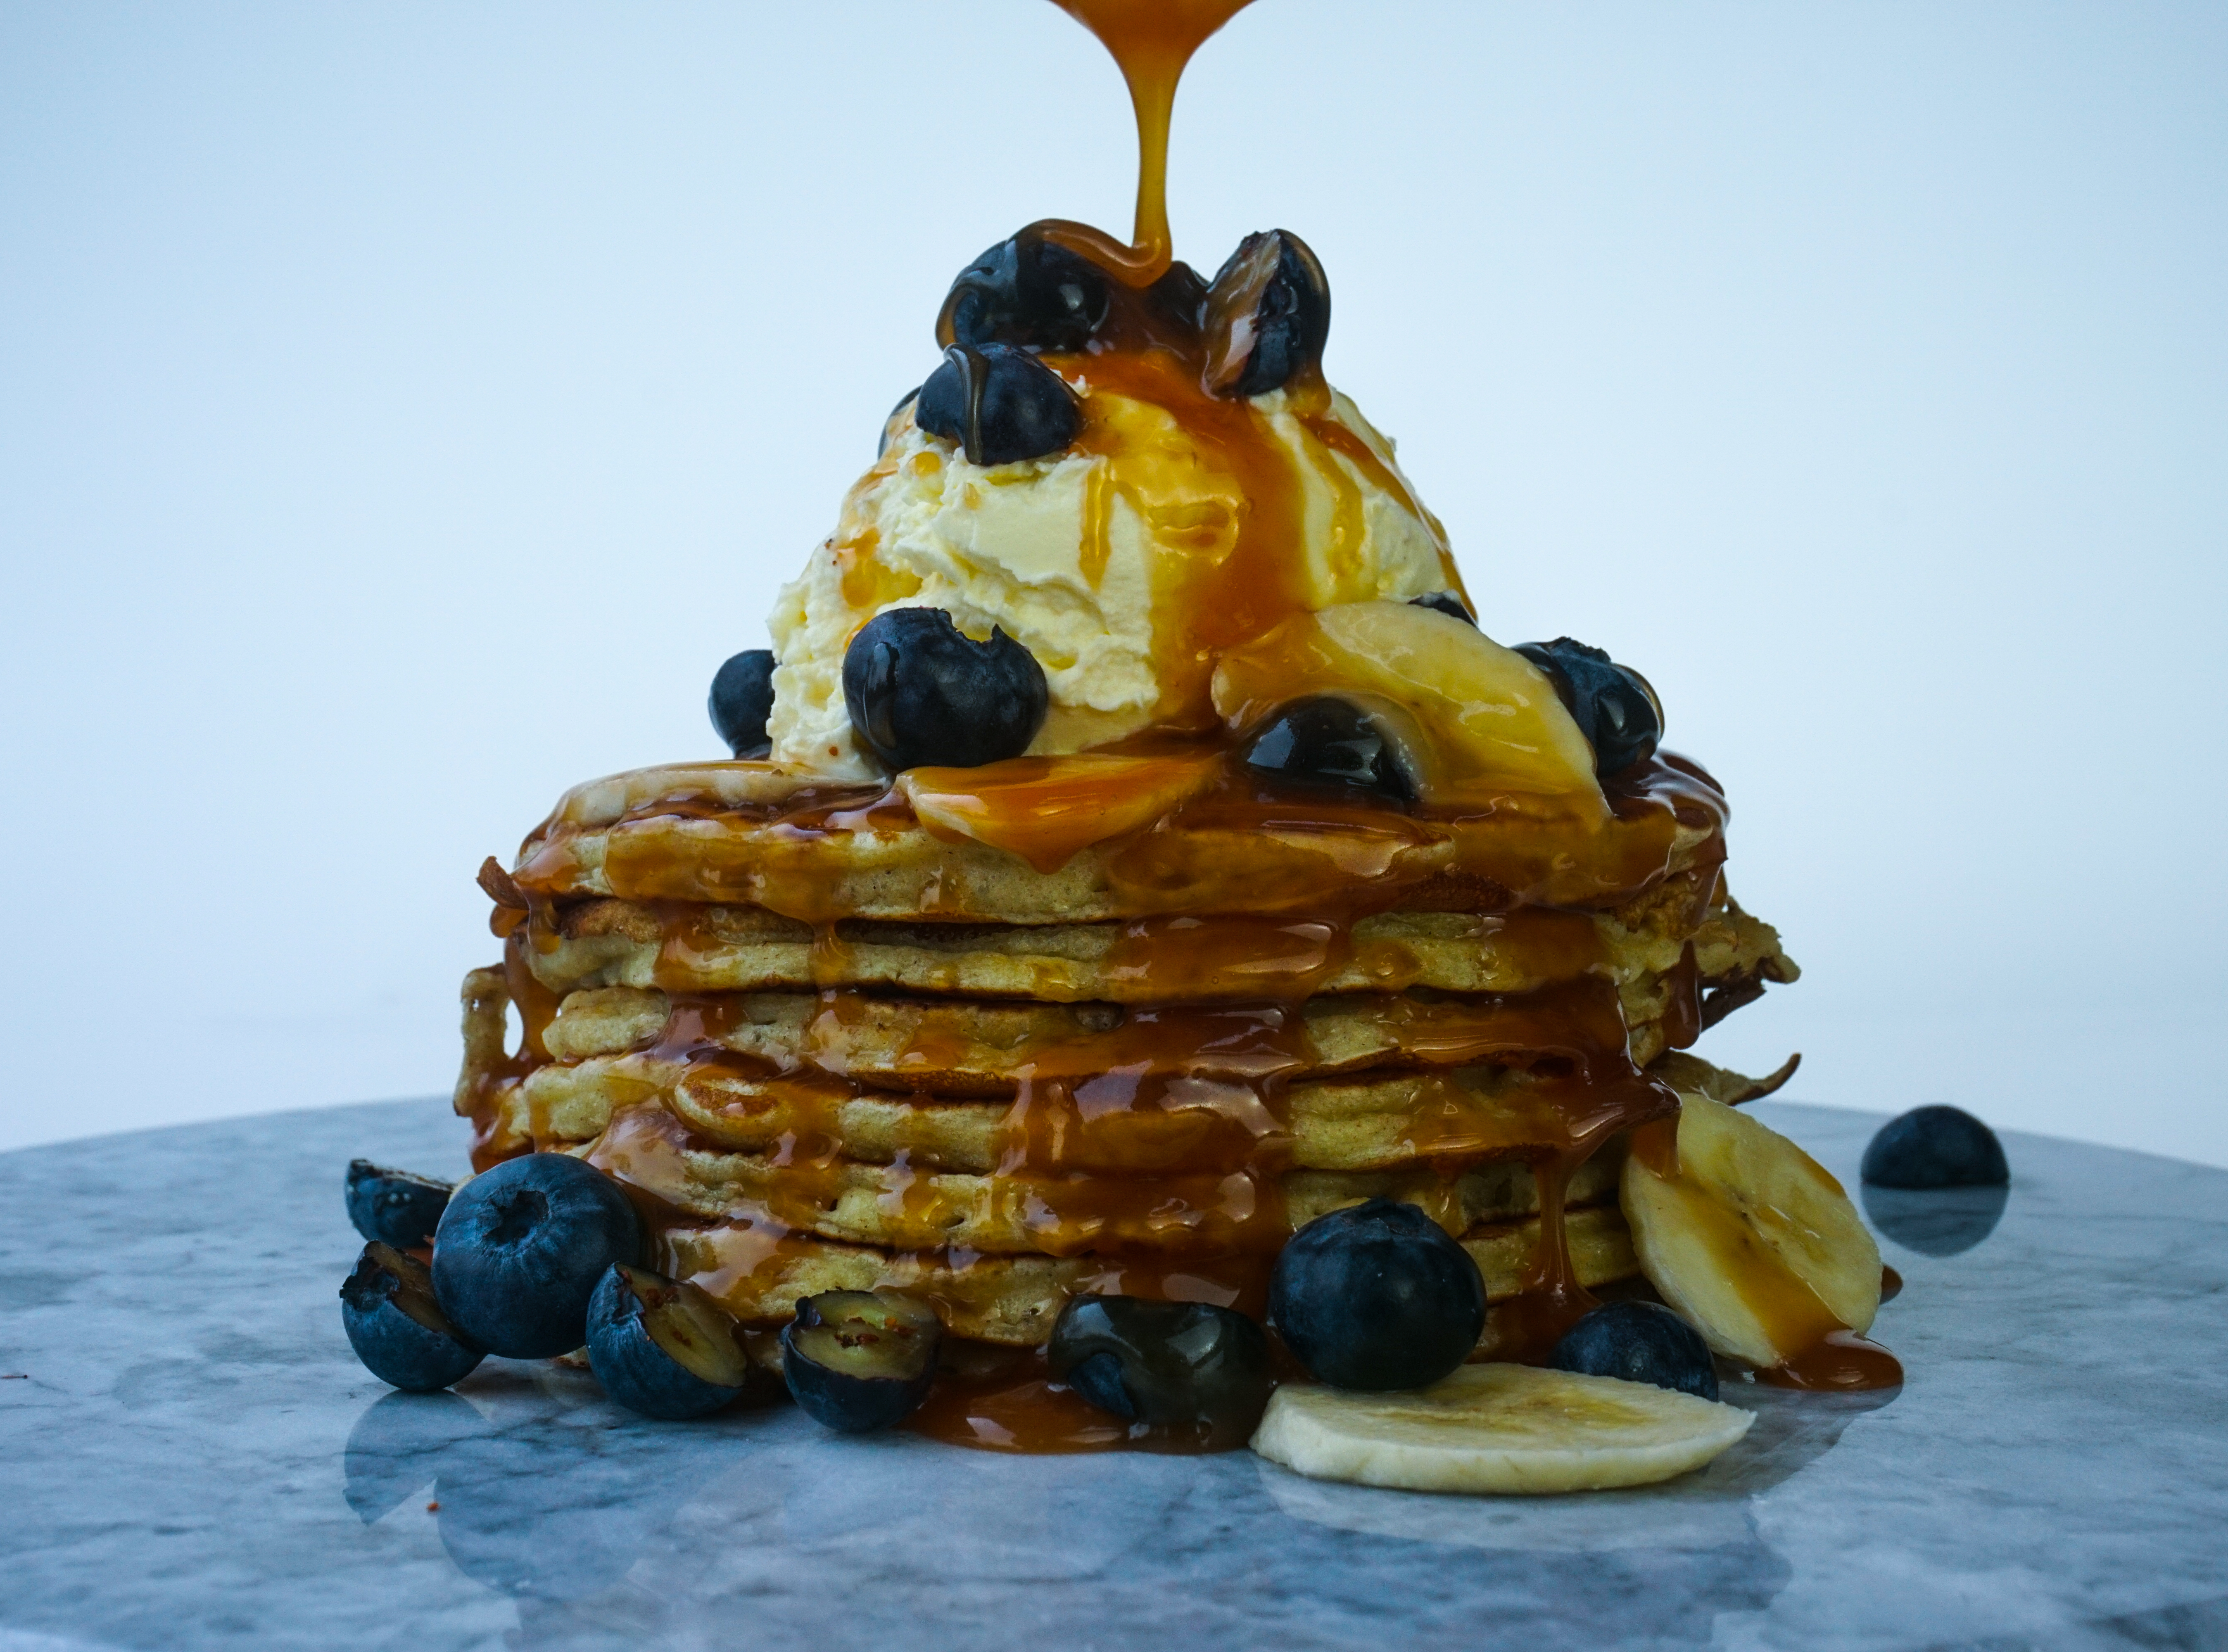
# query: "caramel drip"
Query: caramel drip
{"points": [[1011, 1402], [1682, 1001], [1656, 1146], [1227, 572], [494, 1073], [1177, 958], [1152, 41], [1590, 1108], [1840, 1361], [1007, 1399], [1334, 434], [536, 1003]]}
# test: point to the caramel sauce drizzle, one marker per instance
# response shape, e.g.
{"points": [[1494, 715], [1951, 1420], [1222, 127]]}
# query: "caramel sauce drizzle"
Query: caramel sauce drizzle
{"points": [[1152, 41]]}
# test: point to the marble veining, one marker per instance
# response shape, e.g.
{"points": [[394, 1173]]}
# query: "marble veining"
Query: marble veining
{"points": [[191, 1457]]}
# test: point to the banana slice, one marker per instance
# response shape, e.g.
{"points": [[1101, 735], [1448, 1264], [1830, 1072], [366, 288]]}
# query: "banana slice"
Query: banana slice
{"points": [[1752, 1242], [1499, 1429]]}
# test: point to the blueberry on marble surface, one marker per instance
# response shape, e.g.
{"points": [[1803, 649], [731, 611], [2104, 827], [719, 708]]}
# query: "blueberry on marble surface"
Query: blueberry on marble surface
{"points": [[1612, 704], [1447, 603], [921, 692], [1935, 1147], [663, 1347], [1188, 1366], [1377, 1297], [396, 1327], [742, 699], [394, 1206], [1639, 1341], [999, 403], [522, 1247], [858, 1361], [1026, 291], [1267, 315], [1328, 741]]}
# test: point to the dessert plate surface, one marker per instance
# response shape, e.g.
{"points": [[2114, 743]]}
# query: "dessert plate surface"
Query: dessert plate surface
{"points": [[192, 1457]]}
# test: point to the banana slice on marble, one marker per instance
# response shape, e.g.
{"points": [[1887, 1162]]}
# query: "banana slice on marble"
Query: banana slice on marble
{"points": [[1497, 1429], [1752, 1243]]}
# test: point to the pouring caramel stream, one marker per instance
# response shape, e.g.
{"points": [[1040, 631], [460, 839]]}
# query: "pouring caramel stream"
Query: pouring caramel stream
{"points": [[1152, 41]]}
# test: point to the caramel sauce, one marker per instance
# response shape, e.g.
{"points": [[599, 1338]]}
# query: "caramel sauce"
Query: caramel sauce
{"points": [[1230, 571], [1682, 1007], [1152, 42], [1016, 1404], [1007, 1399], [1840, 1361], [1048, 809]]}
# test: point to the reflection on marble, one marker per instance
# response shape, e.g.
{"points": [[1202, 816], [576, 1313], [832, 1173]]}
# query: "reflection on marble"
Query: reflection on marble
{"points": [[1936, 1221], [193, 1458]]}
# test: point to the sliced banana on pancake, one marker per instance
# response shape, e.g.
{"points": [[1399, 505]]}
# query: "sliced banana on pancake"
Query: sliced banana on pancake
{"points": [[1498, 1428], [1752, 1242]]}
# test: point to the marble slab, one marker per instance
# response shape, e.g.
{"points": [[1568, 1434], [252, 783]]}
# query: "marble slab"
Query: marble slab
{"points": [[190, 1457]]}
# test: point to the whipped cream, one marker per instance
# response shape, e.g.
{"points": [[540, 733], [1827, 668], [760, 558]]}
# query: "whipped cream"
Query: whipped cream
{"points": [[1094, 560]]}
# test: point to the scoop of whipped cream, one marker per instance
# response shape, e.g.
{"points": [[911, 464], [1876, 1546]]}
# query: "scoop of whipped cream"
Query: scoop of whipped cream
{"points": [[1124, 565]]}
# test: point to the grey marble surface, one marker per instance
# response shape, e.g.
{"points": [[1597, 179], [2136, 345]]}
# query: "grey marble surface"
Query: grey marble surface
{"points": [[191, 1457]]}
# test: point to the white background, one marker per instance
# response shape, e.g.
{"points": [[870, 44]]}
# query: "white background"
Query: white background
{"points": [[405, 407]]}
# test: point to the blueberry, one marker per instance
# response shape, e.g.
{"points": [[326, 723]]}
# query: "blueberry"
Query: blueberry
{"points": [[1331, 741], [742, 699], [521, 1249], [857, 1360], [920, 691], [1935, 1147], [890, 419], [1375, 1296], [999, 403], [1176, 303], [1186, 1365], [1267, 315], [662, 1347], [394, 1206], [1612, 704], [1026, 291], [1640, 1342], [1447, 603], [396, 1327]]}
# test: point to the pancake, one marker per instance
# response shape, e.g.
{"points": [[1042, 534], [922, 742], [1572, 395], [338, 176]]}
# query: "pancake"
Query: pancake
{"points": [[898, 1207], [759, 835], [757, 1272], [969, 1048], [829, 1046], [1372, 1122], [679, 947]]}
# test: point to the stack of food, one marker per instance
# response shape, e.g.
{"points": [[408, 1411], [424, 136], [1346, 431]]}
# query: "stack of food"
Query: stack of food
{"points": [[1142, 906], [1136, 851]]}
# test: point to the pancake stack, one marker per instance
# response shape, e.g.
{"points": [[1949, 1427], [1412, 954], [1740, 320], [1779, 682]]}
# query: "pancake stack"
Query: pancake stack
{"points": [[1080, 1043]]}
